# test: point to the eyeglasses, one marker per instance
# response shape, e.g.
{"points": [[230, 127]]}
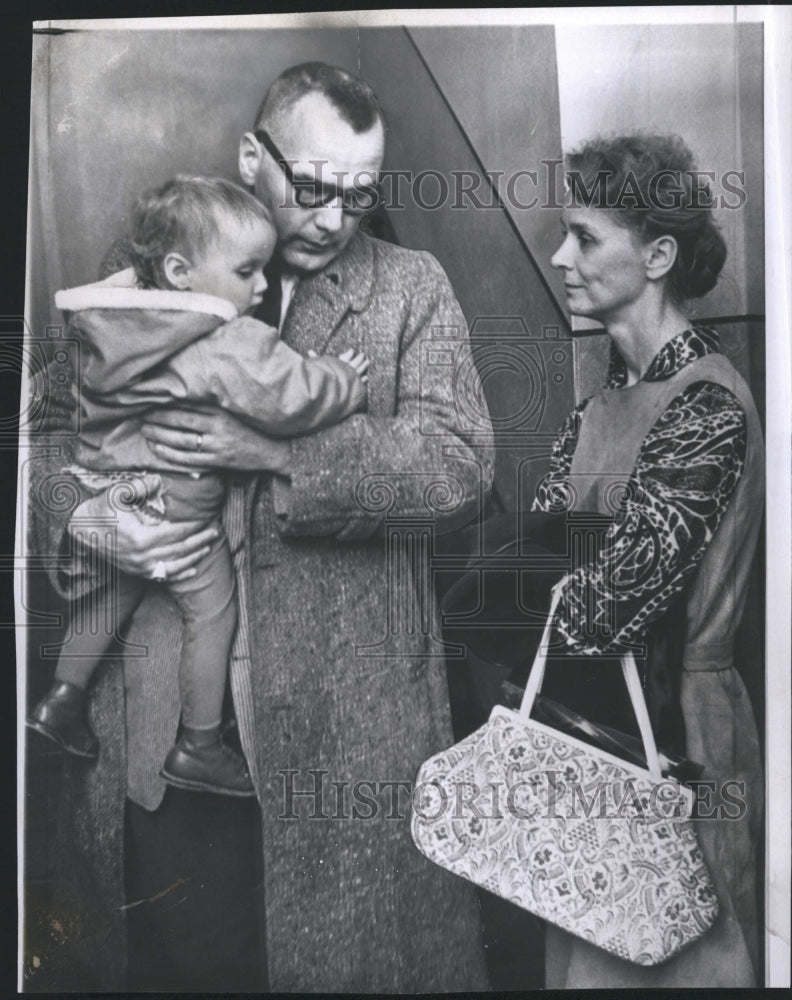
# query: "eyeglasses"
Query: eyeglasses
{"points": [[314, 193]]}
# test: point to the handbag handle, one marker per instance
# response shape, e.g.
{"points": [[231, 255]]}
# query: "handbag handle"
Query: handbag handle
{"points": [[631, 679]]}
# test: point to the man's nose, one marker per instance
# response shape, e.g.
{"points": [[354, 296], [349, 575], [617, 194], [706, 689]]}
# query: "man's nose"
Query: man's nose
{"points": [[330, 217]]}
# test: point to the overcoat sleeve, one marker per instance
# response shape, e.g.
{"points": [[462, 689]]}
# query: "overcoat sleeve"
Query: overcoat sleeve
{"points": [[429, 457]]}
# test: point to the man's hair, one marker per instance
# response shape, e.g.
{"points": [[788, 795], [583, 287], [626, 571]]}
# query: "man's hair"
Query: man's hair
{"points": [[352, 98], [183, 215]]}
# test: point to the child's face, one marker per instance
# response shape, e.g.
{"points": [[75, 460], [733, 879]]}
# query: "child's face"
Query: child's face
{"points": [[232, 265]]}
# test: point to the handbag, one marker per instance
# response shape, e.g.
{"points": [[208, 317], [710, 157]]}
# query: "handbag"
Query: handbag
{"points": [[600, 847], [605, 737]]}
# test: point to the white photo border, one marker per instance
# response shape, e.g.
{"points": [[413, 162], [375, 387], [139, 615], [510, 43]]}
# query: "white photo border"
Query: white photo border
{"points": [[777, 21]]}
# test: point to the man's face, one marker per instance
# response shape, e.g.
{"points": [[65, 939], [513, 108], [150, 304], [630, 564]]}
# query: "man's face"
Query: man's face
{"points": [[318, 145]]}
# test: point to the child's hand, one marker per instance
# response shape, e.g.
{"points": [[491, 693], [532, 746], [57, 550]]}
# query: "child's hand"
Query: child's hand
{"points": [[357, 359]]}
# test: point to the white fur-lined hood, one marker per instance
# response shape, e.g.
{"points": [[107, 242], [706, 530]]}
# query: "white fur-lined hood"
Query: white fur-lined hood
{"points": [[120, 291]]}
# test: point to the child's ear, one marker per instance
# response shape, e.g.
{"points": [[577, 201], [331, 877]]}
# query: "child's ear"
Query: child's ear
{"points": [[176, 269], [249, 159]]}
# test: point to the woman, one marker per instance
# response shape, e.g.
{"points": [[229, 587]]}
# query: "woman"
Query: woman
{"points": [[672, 449]]}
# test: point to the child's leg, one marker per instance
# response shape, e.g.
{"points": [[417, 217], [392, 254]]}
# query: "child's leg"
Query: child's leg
{"points": [[95, 620], [200, 760], [209, 615], [61, 713]]}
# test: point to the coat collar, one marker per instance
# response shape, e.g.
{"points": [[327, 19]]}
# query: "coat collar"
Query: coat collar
{"points": [[121, 291], [675, 354], [351, 275], [322, 300]]}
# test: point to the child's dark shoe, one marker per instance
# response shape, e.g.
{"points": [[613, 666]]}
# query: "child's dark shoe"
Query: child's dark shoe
{"points": [[207, 768], [60, 716]]}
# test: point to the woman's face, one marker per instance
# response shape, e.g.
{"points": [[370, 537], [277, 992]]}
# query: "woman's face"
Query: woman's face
{"points": [[603, 263]]}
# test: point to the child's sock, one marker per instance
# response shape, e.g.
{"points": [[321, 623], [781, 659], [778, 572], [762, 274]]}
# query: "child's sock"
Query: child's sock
{"points": [[203, 737], [76, 671]]}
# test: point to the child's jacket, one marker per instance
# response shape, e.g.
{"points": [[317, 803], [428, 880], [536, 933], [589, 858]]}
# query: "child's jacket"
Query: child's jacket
{"points": [[142, 349]]}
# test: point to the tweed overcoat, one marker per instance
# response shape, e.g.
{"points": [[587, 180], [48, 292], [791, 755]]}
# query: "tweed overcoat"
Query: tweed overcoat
{"points": [[338, 685]]}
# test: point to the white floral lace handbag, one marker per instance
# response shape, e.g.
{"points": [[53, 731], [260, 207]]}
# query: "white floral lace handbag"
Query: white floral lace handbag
{"points": [[600, 847]]}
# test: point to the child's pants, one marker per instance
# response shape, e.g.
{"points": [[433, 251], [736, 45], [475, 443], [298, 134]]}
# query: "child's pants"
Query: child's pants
{"points": [[207, 602]]}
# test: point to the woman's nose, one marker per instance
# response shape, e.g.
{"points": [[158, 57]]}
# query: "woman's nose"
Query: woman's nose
{"points": [[561, 257]]}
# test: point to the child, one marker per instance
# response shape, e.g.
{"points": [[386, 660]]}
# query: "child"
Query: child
{"points": [[173, 329]]}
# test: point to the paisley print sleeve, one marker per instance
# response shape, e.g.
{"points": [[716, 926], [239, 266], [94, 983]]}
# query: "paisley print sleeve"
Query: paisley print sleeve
{"points": [[687, 469], [551, 490]]}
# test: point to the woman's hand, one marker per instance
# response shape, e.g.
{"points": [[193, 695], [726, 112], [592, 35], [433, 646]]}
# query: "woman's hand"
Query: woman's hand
{"points": [[139, 548], [214, 439]]}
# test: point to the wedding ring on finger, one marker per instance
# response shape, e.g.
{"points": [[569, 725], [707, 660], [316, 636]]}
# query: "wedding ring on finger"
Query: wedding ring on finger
{"points": [[198, 441], [159, 573]]}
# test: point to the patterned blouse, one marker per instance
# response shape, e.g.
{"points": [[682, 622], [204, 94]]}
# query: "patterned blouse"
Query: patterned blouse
{"points": [[687, 468]]}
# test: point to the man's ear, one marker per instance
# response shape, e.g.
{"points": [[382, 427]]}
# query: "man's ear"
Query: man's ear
{"points": [[176, 269], [249, 159], [661, 255]]}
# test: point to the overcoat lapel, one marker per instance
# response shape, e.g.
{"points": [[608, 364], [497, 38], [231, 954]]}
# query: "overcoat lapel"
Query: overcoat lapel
{"points": [[322, 301]]}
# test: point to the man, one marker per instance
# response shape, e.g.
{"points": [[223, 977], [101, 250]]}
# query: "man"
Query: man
{"points": [[338, 688]]}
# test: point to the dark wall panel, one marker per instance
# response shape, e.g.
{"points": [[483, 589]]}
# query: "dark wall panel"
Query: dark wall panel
{"points": [[502, 85], [521, 335]]}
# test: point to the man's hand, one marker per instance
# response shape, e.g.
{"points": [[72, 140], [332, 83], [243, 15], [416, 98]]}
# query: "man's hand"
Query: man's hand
{"points": [[139, 547], [214, 439]]}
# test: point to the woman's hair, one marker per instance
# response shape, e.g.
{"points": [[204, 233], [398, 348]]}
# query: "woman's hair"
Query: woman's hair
{"points": [[183, 215], [652, 183]]}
